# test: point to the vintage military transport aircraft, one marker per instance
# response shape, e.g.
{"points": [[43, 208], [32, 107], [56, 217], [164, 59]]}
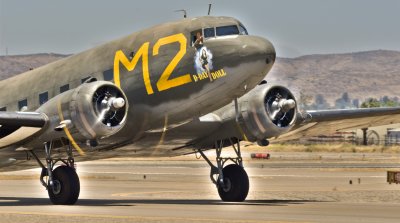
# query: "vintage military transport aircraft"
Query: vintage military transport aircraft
{"points": [[178, 88]]}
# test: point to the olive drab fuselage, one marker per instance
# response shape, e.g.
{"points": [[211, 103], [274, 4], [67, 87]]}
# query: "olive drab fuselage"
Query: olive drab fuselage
{"points": [[161, 71]]}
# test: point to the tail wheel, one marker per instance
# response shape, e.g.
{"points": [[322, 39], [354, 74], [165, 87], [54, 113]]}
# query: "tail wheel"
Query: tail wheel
{"points": [[66, 186], [236, 184]]}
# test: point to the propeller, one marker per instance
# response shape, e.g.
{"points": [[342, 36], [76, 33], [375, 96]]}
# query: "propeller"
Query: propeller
{"points": [[109, 105], [280, 107]]}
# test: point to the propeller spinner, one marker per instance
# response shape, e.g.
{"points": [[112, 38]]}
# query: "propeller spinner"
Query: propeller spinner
{"points": [[280, 107], [109, 105]]}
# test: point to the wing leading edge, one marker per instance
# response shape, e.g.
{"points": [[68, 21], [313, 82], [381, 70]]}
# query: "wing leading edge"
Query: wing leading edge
{"points": [[17, 126], [313, 123]]}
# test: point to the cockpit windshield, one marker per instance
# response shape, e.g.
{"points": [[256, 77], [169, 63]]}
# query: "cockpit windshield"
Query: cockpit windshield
{"points": [[243, 30], [212, 32], [209, 32], [227, 30]]}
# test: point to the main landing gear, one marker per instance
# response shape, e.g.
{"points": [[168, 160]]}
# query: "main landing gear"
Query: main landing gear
{"points": [[232, 181], [62, 183]]}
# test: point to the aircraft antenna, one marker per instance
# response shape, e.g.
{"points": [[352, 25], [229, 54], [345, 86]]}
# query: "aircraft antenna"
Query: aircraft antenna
{"points": [[209, 8], [184, 12]]}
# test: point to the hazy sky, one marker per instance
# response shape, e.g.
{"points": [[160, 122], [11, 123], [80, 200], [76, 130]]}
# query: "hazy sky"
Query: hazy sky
{"points": [[295, 27]]}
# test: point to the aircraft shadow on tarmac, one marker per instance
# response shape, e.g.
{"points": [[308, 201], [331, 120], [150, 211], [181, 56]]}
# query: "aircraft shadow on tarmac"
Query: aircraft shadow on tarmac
{"points": [[19, 201]]}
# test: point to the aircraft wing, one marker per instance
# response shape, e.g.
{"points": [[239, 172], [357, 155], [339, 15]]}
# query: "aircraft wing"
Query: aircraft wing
{"points": [[314, 123], [269, 112], [17, 126]]}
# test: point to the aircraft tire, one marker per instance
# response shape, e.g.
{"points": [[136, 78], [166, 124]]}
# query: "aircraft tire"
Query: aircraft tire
{"points": [[67, 186], [236, 184]]}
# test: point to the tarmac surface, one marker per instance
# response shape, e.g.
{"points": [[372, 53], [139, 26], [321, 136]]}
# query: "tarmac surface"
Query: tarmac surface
{"points": [[291, 187]]}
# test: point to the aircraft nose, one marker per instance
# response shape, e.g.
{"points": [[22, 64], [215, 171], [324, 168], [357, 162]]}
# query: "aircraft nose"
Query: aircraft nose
{"points": [[269, 50], [261, 49], [260, 54]]}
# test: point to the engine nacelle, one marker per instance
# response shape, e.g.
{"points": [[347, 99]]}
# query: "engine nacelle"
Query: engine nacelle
{"points": [[270, 111], [91, 111], [265, 112]]}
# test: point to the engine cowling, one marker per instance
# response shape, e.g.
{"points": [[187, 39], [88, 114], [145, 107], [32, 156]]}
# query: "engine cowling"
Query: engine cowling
{"points": [[270, 112], [265, 112], [91, 111]]}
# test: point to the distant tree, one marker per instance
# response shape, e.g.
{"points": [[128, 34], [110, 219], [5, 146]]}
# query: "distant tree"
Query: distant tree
{"points": [[304, 101], [346, 98], [390, 102], [339, 103], [371, 103], [320, 102], [319, 99], [344, 101], [385, 99], [356, 103]]}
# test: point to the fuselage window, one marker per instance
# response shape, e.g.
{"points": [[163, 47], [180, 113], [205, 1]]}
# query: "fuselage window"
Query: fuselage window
{"points": [[3, 109], [209, 32], [243, 30], [227, 30], [23, 105], [108, 75], [43, 97], [64, 88]]}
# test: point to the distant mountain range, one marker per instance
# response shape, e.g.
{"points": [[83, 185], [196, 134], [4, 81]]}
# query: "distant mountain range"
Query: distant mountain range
{"points": [[12, 65], [362, 74]]}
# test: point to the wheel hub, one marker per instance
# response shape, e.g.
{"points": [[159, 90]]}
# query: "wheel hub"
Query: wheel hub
{"points": [[56, 187], [227, 185]]}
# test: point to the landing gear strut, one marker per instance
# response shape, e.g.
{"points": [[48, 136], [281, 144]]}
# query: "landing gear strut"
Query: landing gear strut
{"points": [[62, 183], [232, 181]]}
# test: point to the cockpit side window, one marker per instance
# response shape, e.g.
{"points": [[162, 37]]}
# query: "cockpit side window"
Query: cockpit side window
{"points": [[194, 34], [243, 30], [209, 32], [227, 30]]}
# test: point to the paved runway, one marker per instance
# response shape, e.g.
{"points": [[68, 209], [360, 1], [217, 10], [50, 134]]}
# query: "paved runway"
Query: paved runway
{"points": [[310, 189]]}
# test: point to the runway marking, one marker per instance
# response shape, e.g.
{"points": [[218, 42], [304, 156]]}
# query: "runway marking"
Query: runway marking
{"points": [[137, 217]]}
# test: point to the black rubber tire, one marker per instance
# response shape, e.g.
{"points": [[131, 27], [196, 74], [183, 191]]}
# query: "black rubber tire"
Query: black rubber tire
{"points": [[237, 184], [70, 186]]}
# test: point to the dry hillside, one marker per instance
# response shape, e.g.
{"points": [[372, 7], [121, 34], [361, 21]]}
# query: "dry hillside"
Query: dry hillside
{"points": [[362, 74], [12, 65]]}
